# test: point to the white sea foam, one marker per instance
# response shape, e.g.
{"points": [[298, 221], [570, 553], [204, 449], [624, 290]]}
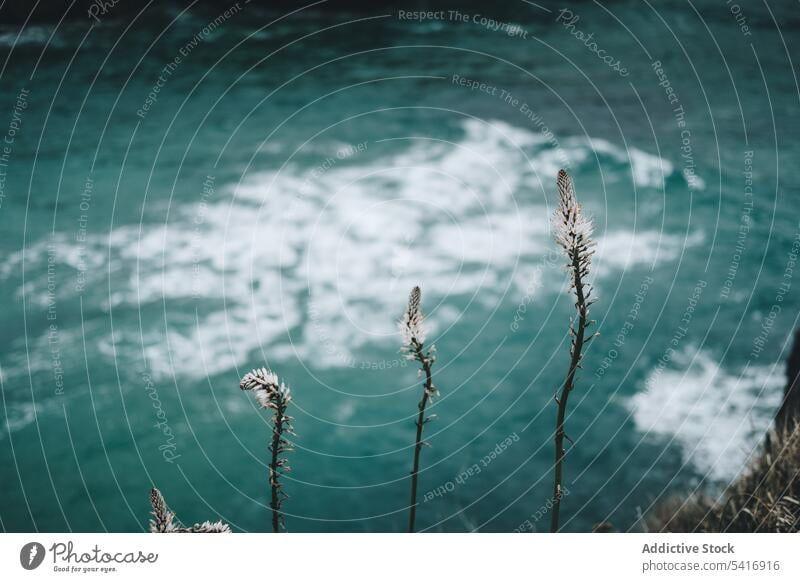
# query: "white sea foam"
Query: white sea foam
{"points": [[716, 416], [30, 34], [648, 170], [17, 415], [295, 261], [623, 249]]}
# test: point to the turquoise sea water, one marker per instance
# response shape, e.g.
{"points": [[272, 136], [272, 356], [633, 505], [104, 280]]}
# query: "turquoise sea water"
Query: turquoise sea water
{"points": [[183, 201]]}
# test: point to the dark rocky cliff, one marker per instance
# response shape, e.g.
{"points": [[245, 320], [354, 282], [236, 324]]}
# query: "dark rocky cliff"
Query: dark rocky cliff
{"points": [[790, 408]]}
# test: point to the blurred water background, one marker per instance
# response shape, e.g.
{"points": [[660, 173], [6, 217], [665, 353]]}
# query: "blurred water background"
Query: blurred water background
{"points": [[270, 197]]}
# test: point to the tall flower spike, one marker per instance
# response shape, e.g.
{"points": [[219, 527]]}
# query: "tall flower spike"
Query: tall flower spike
{"points": [[275, 396], [573, 229], [411, 324], [573, 232], [572, 226], [413, 332]]}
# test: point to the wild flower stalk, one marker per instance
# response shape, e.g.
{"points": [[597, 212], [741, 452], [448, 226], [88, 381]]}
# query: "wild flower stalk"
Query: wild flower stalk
{"points": [[163, 520], [573, 233], [274, 396], [413, 334]]}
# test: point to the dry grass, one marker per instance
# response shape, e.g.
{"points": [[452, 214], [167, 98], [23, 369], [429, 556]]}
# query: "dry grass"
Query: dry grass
{"points": [[765, 498]]}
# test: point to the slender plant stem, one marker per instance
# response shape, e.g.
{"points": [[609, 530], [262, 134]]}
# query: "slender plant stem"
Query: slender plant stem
{"points": [[426, 366], [277, 434], [273, 396], [569, 382]]}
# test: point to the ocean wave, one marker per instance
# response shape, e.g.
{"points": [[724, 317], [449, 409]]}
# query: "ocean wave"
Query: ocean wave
{"points": [[624, 249], [299, 259], [17, 416], [29, 35], [716, 416]]}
